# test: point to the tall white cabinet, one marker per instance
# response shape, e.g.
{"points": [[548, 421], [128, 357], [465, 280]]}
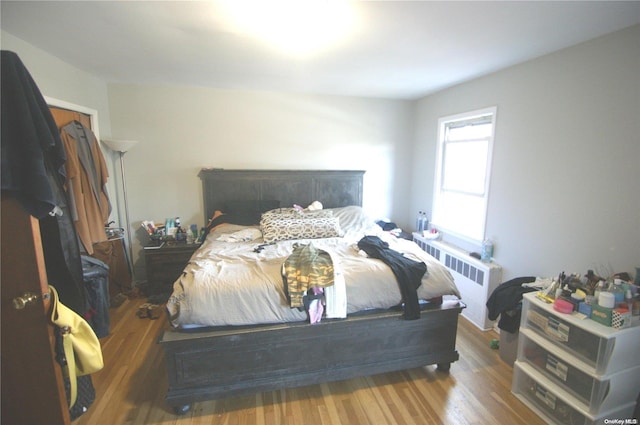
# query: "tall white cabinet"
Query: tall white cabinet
{"points": [[575, 371]]}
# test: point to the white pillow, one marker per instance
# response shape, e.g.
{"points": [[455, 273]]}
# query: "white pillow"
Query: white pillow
{"points": [[244, 235]]}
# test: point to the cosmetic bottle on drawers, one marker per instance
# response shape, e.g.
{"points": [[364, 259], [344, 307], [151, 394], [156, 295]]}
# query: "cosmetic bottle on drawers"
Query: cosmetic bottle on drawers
{"points": [[575, 371]]}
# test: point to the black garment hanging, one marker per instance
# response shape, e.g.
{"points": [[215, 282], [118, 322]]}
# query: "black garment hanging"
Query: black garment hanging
{"points": [[506, 301], [29, 138], [32, 161], [408, 272]]}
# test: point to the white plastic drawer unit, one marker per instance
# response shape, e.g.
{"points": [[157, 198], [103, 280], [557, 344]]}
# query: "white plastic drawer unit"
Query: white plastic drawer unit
{"points": [[554, 405], [604, 350], [598, 394]]}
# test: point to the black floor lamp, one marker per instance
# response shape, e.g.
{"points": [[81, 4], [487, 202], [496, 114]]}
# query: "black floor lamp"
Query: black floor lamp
{"points": [[122, 147]]}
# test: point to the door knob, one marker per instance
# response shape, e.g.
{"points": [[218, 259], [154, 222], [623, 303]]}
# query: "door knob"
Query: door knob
{"points": [[21, 302]]}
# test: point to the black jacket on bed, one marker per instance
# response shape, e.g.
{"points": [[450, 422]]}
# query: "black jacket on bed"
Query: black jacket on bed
{"points": [[408, 273]]}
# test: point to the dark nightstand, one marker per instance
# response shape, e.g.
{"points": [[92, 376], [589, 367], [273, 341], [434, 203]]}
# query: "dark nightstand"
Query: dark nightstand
{"points": [[165, 264]]}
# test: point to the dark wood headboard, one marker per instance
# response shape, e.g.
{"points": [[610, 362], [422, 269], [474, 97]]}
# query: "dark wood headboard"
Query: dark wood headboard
{"points": [[334, 188]]}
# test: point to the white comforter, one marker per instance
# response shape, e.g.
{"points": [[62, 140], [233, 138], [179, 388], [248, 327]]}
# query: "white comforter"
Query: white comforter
{"points": [[228, 283]]}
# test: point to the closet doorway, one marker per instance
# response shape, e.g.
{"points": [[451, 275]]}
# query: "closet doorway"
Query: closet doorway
{"points": [[111, 252]]}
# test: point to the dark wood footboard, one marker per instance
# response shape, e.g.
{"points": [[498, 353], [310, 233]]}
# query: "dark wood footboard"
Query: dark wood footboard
{"points": [[233, 361]]}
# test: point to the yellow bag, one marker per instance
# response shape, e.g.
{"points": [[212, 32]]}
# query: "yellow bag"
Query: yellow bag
{"points": [[81, 345]]}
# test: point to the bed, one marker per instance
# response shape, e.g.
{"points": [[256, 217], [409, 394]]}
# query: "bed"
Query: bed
{"points": [[225, 343]]}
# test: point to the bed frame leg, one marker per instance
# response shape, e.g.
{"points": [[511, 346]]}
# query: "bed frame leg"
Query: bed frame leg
{"points": [[444, 367], [181, 410]]}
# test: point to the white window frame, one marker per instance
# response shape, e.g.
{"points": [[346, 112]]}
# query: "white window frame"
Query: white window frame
{"points": [[438, 208]]}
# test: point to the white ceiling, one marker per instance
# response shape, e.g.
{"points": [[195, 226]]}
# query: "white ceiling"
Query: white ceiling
{"points": [[396, 49]]}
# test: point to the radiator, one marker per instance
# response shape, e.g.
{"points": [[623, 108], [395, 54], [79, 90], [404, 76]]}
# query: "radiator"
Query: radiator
{"points": [[475, 280]]}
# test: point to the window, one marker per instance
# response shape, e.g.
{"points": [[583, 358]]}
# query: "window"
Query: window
{"points": [[465, 143]]}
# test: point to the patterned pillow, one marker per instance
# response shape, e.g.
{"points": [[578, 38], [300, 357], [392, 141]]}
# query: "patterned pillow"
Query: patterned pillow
{"points": [[294, 213], [280, 228]]}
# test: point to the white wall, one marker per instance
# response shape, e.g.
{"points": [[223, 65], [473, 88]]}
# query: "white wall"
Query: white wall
{"points": [[566, 161], [563, 196], [184, 129]]}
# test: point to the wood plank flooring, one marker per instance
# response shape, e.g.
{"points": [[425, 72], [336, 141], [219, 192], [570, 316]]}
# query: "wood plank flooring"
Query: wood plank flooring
{"points": [[131, 389]]}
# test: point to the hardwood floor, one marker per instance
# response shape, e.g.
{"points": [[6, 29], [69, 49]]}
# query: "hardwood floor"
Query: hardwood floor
{"points": [[131, 389]]}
